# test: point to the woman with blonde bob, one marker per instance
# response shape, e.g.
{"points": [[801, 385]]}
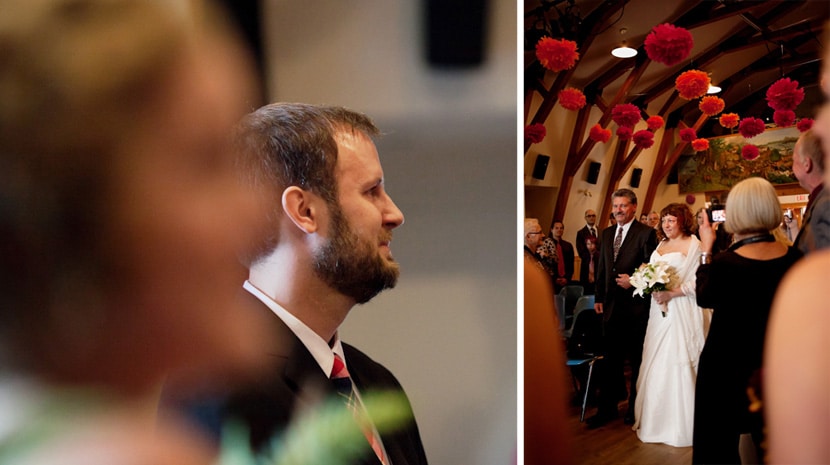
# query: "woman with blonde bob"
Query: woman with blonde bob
{"points": [[739, 285]]}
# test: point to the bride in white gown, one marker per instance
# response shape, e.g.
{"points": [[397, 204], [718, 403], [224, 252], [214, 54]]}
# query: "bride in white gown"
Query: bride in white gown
{"points": [[664, 408]]}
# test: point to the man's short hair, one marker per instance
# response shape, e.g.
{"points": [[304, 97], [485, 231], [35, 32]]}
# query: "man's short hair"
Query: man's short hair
{"points": [[293, 144], [627, 193], [811, 148]]}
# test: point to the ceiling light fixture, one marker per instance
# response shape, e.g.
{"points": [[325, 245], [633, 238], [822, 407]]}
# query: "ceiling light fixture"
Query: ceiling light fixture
{"points": [[713, 89], [624, 51]]}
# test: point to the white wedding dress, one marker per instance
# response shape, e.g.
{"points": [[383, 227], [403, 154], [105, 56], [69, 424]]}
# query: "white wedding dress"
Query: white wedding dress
{"points": [[664, 408]]}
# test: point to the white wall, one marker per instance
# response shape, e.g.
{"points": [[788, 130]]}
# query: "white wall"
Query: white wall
{"points": [[448, 331]]}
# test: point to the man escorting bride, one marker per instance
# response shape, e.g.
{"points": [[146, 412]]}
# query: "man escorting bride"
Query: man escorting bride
{"points": [[664, 408]]}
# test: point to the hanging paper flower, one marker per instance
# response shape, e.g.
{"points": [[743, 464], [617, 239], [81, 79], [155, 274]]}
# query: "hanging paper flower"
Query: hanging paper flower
{"points": [[783, 118], [804, 124], [729, 120], [556, 55], [625, 114], [599, 134], [711, 105], [571, 99], [750, 152], [655, 122], [624, 132], [643, 138], [692, 84], [751, 127], [668, 44], [535, 133], [700, 145], [784, 94], [688, 135]]}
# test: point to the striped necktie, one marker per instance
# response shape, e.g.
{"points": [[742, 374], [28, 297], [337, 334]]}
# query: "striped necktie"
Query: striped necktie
{"points": [[343, 384], [618, 242]]}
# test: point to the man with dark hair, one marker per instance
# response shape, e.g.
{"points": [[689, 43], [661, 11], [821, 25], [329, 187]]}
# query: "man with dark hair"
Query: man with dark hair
{"points": [[808, 167], [331, 224], [624, 248], [564, 269]]}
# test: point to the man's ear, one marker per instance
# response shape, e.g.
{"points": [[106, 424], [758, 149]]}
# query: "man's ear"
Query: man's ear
{"points": [[301, 207]]}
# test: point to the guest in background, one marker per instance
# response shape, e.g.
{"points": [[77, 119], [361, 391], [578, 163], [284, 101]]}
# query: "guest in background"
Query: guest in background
{"points": [[588, 266], [564, 270], [644, 219], [624, 248], [664, 406], [533, 241], [121, 222], [789, 228], [590, 229], [808, 167], [653, 220], [739, 285]]}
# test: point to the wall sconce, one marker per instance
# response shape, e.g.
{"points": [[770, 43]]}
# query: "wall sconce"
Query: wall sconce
{"points": [[585, 192]]}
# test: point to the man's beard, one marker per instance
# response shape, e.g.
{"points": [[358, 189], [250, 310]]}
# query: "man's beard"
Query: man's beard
{"points": [[353, 266]]}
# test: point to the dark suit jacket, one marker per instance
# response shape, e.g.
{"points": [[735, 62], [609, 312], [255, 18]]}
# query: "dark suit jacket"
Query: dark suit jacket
{"points": [[568, 257], [815, 226], [583, 233], [636, 249], [267, 406]]}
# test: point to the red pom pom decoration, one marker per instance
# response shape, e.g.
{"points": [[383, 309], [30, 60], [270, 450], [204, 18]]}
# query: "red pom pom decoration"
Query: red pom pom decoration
{"points": [[571, 99], [556, 55], [711, 105], [784, 94], [643, 138], [688, 135], [783, 118], [668, 44], [729, 120], [700, 145], [655, 122], [599, 134], [750, 152], [804, 124], [624, 132], [625, 114], [692, 84], [751, 127], [535, 133]]}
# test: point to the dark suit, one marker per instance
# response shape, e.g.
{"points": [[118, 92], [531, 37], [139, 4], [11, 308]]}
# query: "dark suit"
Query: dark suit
{"points": [[815, 226], [567, 259], [584, 258], [625, 316], [295, 382]]}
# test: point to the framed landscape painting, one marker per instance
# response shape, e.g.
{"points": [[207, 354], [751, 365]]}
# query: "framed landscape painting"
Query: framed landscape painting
{"points": [[722, 166]]}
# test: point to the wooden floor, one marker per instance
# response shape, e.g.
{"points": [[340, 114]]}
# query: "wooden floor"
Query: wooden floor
{"points": [[615, 443]]}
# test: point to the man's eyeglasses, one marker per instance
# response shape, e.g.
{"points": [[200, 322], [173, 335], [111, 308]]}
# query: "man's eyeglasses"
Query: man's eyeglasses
{"points": [[590, 216]]}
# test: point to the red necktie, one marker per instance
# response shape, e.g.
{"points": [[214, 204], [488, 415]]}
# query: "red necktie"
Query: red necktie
{"points": [[561, 262], [343, 384]]}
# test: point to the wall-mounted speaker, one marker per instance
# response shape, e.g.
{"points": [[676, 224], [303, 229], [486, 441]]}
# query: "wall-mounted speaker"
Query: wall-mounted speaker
{"points": [[672, 178], [455, 32], [540, 168], [593, 172], [636, 174]]}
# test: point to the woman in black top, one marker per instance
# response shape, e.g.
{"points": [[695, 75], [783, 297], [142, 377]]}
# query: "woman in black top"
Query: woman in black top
{"points": [[739, 284]]}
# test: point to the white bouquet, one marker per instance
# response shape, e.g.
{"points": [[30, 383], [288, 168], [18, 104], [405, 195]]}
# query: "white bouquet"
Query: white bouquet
{"points": [[651, 277]]}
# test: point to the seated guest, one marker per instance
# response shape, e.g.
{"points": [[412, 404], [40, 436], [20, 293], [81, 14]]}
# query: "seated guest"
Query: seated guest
{"points": [[739, 285]]}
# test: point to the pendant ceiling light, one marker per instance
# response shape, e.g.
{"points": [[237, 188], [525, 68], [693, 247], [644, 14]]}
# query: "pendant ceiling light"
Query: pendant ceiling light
{"points": [[624, 51], [713, 89]]}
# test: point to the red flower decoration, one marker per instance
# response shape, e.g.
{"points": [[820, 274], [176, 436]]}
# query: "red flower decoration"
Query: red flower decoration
{"points": [[625, 114], [535, 133], [700, 145], [711, 105], [571, 99], [729, 120], [655, 122], [599, 134], [643, 138], [783, 118], [668, 44], [804, 124], [751, 127], [688, 135], [624, 132], [750, 152], [556, 55], [692, 84], [784, 94]]}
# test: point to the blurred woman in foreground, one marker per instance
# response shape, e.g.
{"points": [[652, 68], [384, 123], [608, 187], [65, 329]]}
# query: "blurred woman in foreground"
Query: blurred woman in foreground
{"points": [[120, 222]]}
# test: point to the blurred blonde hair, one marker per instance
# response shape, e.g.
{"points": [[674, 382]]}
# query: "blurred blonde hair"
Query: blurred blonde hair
{"points": [[752, 206]]}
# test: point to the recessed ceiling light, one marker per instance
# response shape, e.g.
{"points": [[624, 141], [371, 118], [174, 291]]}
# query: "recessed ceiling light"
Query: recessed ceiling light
{"points": [[713, 89]]}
